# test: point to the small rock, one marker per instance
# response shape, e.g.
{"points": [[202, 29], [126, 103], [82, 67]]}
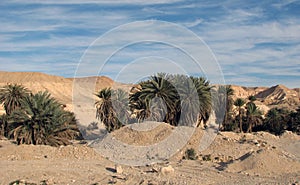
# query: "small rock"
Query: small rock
{"points": [[255, 142], [119, 169], [167, 170]]}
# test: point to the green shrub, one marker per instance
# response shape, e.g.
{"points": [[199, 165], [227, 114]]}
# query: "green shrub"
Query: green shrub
{"points": [[190, 154]]}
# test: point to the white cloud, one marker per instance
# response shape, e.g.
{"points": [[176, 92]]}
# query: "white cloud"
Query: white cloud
{"points": [[104, 2]]}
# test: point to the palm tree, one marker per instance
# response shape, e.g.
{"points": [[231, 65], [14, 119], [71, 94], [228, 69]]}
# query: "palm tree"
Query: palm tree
{"points": [[189, 107], [203, 89], [11, 96], [294, 121], [41, 120], [120, 104], [224, 102], [112, 108], [240, 102], [251, 98], [253, 116], [3, 124], [176, 99], [158, 87], [276, 120]]}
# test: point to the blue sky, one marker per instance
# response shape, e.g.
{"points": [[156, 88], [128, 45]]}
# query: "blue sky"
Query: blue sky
{"points": [[256, 43]]}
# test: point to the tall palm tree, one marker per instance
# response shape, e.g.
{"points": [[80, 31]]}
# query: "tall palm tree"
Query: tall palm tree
{"points": [[253, 116], [229, 101], [240, 102], [11, 96], [40, 120]]}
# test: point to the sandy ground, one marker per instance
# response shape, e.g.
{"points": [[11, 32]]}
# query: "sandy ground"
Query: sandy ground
{"points": [[258, 158]]}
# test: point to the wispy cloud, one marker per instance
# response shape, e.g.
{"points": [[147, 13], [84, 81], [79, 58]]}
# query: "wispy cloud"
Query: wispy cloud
{"points": [[253, 41]]}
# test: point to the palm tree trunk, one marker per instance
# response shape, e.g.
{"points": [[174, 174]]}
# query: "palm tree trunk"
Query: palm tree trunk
{"points": [[240, 121], [32, 136], [249, 125]]}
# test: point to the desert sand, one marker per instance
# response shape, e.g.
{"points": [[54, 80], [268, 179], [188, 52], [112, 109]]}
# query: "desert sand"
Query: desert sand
{"points": [[232, 158], [235, 158]]}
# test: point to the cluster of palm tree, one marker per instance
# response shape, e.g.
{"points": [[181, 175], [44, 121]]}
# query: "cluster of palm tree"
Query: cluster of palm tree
{"points": [[35, 118], [247, 117], [174, 99], [186, 100]]}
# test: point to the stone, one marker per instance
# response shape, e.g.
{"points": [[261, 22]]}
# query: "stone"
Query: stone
{"points": [[167, 170], [119, 169]]}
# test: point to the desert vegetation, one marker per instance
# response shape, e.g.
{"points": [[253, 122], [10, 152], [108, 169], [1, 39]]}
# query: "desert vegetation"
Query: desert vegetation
{"points": [[245, 116], [174, 99], [38, 118], [35, 118], [184, 100]]}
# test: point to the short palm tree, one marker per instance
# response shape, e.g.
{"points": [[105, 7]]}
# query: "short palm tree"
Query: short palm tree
{"points": [[158, 87], [276, 120], [178, 99], [41, 120], [203, 89], [240, 102], [223, 102], [11, 96], [3, 124], [251, 98]]}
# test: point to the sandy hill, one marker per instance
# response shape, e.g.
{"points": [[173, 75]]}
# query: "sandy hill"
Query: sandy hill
{"points": [[27, 77], [62, 88], [59, 87]]}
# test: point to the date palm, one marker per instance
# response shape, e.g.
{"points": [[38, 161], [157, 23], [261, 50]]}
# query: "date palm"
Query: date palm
{"points": [[11, 96], [223, 104], [112, 108], [41, 120], [240, 102], [253, 116], [276, 120], [205, 98], [177, 97], [3, 124], [158, 87]]}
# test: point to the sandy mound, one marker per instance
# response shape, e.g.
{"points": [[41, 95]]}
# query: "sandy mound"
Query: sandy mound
{"points": [[264, 162], [143, 138], [13, 152]]}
